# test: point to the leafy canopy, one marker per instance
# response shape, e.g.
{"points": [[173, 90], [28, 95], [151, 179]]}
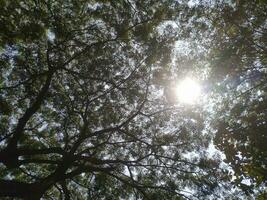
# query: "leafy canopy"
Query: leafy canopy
{"points": [[88, 110]]}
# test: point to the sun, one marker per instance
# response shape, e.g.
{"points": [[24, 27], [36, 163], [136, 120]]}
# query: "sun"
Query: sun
{"points": [[188, 91]]}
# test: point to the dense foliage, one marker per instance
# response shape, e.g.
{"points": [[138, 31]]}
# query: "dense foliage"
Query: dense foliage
{"points": [[88, 110], [242, 127]]}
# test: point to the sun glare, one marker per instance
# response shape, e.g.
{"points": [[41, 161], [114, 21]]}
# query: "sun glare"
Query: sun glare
{"points": [[188, 91]]}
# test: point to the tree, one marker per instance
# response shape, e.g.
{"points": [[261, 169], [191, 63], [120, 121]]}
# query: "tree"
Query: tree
{"points": [[88, 107], [239, 61], [232, 36], [79, 114]]}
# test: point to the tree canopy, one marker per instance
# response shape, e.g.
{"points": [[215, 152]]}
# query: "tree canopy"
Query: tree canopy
{"points": [[88, 103]]}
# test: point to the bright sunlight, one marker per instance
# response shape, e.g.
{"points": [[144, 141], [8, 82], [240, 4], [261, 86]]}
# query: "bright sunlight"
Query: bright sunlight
{"points": [[188, 91]]}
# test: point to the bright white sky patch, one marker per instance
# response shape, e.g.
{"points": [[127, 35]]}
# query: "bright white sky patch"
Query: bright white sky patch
{"points": [[51, 35], [188, 91]]}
